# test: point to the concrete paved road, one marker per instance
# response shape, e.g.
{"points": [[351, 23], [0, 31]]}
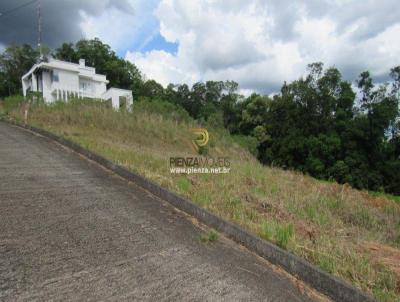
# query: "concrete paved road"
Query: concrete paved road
{"points": [[70, 230]]}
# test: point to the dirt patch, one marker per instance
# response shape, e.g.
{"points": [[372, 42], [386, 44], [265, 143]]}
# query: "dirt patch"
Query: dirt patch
{"points": [[376, 201], [386, 255]]}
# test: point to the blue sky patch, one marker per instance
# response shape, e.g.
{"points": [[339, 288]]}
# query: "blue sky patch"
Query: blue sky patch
{"points": [[159, 43]]}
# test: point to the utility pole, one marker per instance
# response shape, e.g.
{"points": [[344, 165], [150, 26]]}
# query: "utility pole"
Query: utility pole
{"points": [[39, 30]]}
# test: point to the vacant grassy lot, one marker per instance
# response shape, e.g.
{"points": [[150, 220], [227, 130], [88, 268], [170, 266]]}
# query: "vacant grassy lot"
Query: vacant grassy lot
{"points": [[351, 234]]}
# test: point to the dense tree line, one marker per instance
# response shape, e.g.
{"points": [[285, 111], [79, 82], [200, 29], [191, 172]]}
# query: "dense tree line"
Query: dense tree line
{"points": [[315, 124], [318, 124]]}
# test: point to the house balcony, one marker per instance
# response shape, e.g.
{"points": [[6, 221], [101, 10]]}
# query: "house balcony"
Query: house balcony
{"points": [[62, 92]]}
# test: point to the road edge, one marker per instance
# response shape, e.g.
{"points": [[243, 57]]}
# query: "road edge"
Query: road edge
{"points": [[325, 283]]}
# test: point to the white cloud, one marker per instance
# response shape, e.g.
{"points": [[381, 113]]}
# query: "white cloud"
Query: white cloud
{"points": [[112, 27], [162, 66], [122, 28], [260, 44]]}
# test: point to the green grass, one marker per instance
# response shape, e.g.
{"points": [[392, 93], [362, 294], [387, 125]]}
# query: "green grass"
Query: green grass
{"points": [[324, 222], [281, 234], [10, 103], [210, 237]]}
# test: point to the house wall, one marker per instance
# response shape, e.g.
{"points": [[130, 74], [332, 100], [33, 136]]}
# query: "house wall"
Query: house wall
{"points": [[115, 93], [46, 84], [86, 87], [66, 86], [100, 88], [96, 89], [34, 82], [68, 80]]}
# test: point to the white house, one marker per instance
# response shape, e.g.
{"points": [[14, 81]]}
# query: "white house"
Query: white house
{"points": [[60, 80]]}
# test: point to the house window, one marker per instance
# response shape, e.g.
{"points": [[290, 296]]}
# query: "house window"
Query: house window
{"points": [[85, 86], [55, 77]]}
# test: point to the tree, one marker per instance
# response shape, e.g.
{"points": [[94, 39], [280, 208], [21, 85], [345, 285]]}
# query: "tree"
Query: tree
{"points": [[120, 73], [152, 89], [66, 53], [15, 61], [314, 126]]}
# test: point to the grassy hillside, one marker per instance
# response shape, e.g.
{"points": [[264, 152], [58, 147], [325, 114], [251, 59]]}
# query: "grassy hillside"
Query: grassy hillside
{"points": [[351, 234]]}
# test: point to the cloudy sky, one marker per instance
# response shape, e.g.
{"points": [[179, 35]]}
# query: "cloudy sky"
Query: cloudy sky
{"points": [[258, 43]]}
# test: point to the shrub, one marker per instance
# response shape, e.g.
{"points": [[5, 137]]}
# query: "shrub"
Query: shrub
{"points": [[163, 108], [12, 102], [247, 142]]}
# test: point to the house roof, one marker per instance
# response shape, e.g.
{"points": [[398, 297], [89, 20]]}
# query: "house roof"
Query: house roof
{"points": [[84, 71]]}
